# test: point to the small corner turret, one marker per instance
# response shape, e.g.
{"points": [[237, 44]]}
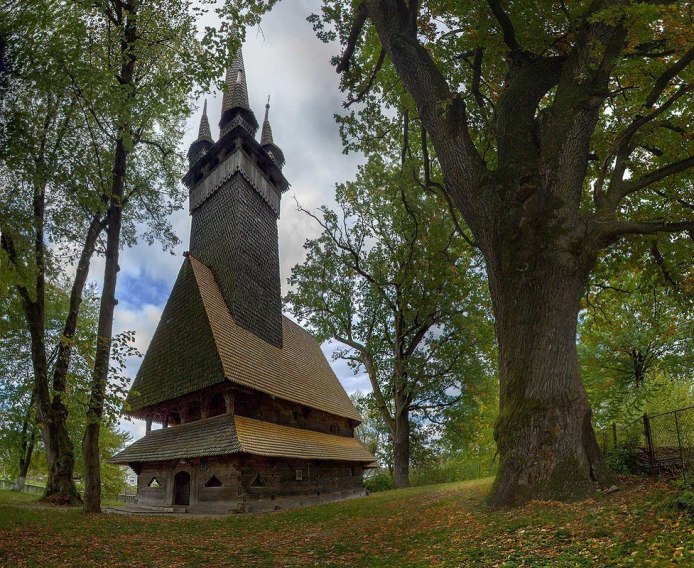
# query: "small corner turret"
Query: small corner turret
{"points": [[266, 141], [204, 140]]}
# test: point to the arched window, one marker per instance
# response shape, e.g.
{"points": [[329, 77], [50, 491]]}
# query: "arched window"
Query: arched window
{"points": [[213, 482], [217, 405], [154, 483], [333, 428]]}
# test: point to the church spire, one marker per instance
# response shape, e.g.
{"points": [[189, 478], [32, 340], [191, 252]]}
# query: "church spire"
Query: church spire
{"points": [[235, 90], [204, 133], [235, 108], [266, 134], [204, 141], [266, 141]]}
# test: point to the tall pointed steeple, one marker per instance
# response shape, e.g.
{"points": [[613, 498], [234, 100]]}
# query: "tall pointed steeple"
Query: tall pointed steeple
{"points": [[266, 139], [236, 89], [235, 108], [266, 133], [204, 132], [204, 141]]}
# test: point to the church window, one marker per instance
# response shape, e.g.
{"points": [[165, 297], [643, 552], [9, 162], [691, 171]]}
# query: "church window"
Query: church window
{"points": [[350, 472], [213, 482], [333, 428], [295, 416], [299, 475], [258, 481], [154, 483]]}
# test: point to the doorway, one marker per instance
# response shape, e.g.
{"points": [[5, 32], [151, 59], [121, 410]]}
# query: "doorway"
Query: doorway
{"points": [[182, 488]]}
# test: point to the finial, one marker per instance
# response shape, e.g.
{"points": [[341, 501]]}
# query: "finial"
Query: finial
{"points": [[267, 108]]}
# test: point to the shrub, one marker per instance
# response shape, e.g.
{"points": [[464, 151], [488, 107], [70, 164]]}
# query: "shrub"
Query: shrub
{"points": [[380, 481]]}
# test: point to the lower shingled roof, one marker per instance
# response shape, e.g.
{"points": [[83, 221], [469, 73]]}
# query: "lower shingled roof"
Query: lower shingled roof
{"points": [[226, 434]]}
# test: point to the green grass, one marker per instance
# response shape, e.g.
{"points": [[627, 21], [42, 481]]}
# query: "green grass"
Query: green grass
{"points": [[443, 525]]}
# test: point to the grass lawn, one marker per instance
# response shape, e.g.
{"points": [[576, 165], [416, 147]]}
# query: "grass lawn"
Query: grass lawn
{"points": [[443, 525]]}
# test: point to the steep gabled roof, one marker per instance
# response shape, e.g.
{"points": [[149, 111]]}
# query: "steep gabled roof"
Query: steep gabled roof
{"points": [[227, 434], [298, 371], [182, 356], [198, 344]]}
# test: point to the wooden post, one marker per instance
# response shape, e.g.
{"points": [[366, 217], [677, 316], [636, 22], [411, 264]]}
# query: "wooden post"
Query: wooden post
{"points": [[229, 401], [679, 444], [649, 441], [148, 424], [614, 434]]}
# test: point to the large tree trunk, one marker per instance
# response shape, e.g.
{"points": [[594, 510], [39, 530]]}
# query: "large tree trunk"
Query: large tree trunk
{"points": [[28, 439], [544, 433], [90, 441], [401, 442], [51, 416]]}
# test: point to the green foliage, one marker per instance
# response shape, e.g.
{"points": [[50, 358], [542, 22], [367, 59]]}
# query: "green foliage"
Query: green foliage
{"points": [[455, 467], [622, 459], [636, 335], [393, 281], [381, 481], [16, 383]]}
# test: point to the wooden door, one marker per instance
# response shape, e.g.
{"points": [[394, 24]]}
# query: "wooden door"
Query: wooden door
{"points": [[182, 488]]}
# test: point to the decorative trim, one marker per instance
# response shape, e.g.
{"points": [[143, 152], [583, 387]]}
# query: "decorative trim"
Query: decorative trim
{"points": [[241, 163], [238, 120]]}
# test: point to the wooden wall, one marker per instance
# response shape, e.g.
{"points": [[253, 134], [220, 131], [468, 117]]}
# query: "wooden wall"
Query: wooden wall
{"points": [[251, 483]]}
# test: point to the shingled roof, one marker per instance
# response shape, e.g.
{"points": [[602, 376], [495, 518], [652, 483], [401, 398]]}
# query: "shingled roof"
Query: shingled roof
{"points": [[212, 347], [227, 434]]}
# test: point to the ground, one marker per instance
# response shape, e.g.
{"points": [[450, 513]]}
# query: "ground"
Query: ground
{"points": [[442, 525]]}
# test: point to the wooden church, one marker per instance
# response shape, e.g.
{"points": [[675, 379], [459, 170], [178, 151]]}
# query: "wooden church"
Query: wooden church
{"points": [[252, 416]]}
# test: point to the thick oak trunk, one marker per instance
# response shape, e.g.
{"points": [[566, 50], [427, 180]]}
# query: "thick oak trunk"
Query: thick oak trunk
{"points": [[544, 434], [60, 487]]}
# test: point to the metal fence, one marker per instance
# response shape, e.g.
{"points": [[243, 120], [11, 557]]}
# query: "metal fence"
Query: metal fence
{"points": [[656, 444]]}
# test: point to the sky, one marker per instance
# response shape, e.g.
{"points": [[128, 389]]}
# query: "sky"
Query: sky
{"points": [[283, 59]]}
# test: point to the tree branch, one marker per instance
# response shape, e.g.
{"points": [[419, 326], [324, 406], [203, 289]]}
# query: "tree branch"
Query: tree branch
{"points": [[670, 73], [357, 25]]}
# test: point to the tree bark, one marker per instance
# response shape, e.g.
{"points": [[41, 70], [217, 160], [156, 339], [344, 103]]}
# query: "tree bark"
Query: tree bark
{"points": [[51, 415], [401, 442], [90, 441], [28, 439], [544, 433]]}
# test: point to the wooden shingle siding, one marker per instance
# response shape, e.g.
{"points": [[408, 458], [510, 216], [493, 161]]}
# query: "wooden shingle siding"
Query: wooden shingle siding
{"points": [[298, 372]]}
